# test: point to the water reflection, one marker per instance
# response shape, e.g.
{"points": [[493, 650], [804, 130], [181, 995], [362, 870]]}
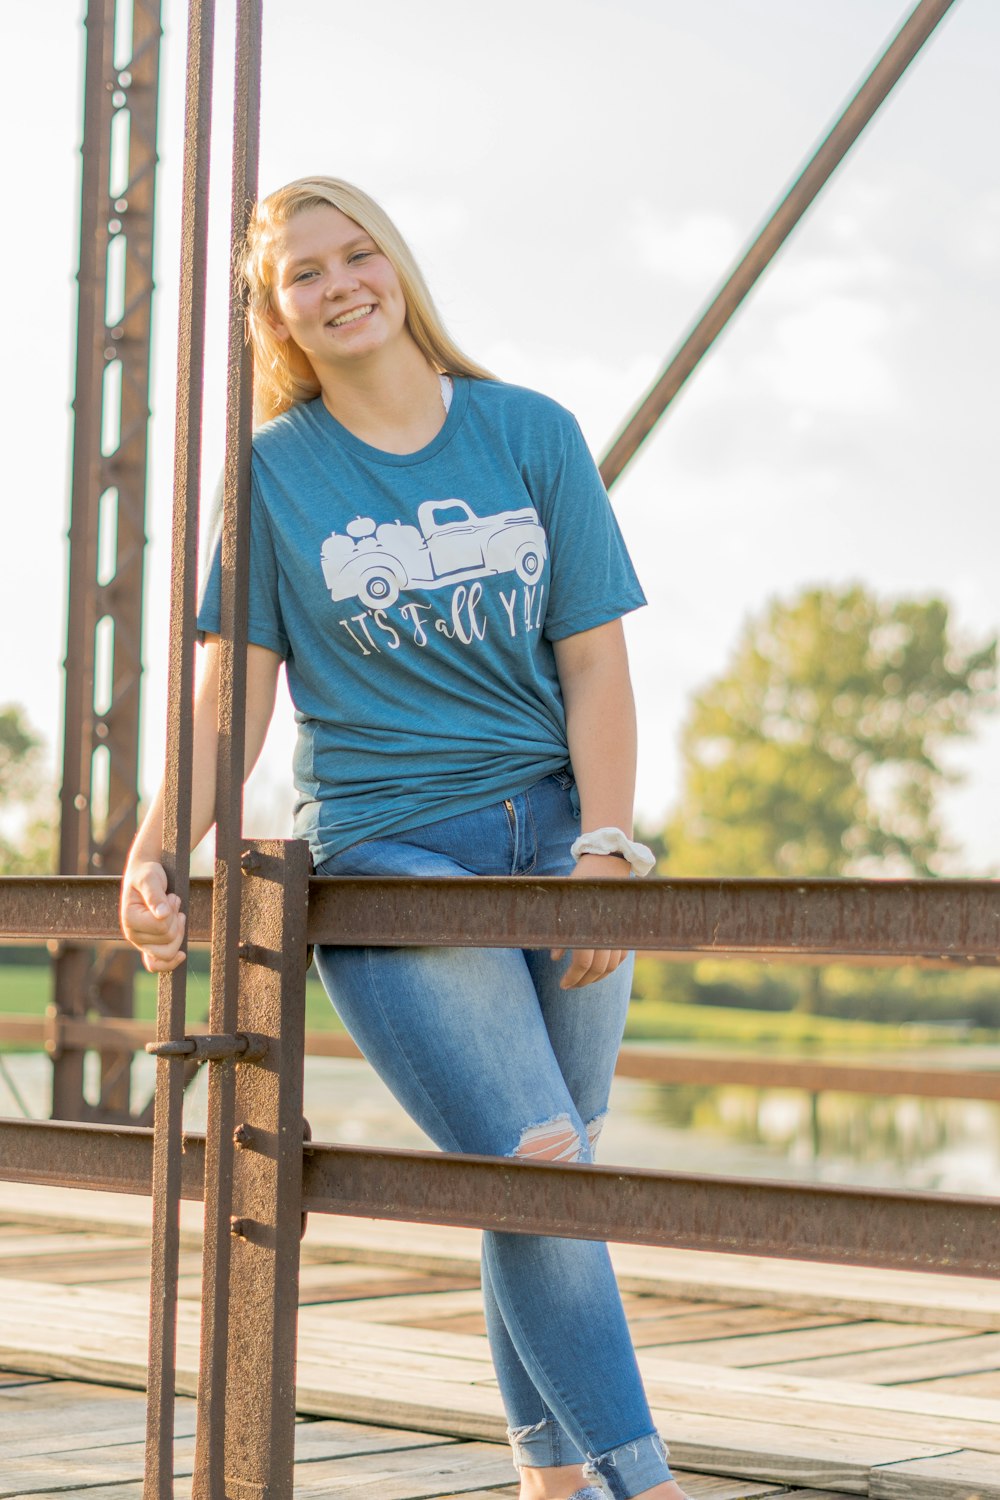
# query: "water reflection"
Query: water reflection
{"points": [[948, 1144]]}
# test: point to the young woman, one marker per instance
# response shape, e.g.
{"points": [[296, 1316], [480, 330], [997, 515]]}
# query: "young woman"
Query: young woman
{"points": [[435, 561]]}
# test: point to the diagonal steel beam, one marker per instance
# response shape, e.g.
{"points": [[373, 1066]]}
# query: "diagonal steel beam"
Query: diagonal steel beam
{"points": [[877, 86]]}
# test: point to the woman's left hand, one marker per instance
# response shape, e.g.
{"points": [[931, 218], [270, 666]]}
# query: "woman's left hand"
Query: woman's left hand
{"points": [[588, 964]]}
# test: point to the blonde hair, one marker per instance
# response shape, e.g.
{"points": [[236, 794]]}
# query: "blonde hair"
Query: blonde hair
{"points": [[283, 375]]}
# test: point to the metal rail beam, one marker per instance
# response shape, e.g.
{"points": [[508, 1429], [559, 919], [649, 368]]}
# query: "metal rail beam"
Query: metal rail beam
{"points": [[856, 1226], [943, 1232], [952, 920], [943, 921], [884, 76]]}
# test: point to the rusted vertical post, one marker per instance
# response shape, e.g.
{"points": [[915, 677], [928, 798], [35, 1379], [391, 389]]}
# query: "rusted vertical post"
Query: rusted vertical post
{"points": [[170, 1009], [73, 962], [267, 1188], [211, 1442], [107, 525]]}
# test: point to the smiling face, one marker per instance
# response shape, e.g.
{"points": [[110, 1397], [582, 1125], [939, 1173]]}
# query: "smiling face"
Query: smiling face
{"points": [[335, 293]]}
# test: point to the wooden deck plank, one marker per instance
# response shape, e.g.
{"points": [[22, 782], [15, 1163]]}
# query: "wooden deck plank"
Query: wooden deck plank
{"points": [[954, 1421], [718, 1487], [727, 1324], [986, 1385], [953, 1476], [420, 1305], [698, 1486], [47, 1252], [473, 1323], [839, 1461], [753, 1447], [760, 1450], [499, 1493], [390, 1343], [76, 1343], [317, 1285], [12, 1230], [129, 1491], [409, 1475], [115, 1463], [46, 1403], [813, 1495], [813, 1344], [962, 1356], [188, 1287]]}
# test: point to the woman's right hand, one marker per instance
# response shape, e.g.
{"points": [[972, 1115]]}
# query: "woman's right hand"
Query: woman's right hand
{"points": [[151, 916]]}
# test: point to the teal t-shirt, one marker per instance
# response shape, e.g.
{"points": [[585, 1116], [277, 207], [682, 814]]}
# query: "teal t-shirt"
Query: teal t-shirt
{"points": [[415, 598]]}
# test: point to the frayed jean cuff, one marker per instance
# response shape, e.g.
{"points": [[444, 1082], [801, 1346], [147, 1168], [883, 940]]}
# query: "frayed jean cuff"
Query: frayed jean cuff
{"points": [[632, 1467], [543, 1446]]}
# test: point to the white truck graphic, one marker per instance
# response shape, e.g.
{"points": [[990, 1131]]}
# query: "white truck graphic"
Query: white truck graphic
{"points": [[449, 544]]}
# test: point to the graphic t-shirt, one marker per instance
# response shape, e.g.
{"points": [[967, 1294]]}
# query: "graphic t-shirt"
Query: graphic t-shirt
{"points": [[415, 598]]}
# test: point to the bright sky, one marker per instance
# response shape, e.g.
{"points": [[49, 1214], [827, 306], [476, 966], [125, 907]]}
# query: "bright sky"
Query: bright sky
{"points": [[575, 176]]}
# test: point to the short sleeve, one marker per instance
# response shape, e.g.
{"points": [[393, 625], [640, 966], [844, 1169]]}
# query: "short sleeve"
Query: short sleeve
{"points": [[591, 577], [265, 627]]}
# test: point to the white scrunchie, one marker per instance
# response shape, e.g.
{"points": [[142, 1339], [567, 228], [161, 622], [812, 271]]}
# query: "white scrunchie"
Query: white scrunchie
{"points": [[614, 841]]}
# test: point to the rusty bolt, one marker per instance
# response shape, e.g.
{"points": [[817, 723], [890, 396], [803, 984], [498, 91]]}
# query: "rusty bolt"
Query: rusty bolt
{"points": [[239, 1228], [244, 1136], [250, 861]]}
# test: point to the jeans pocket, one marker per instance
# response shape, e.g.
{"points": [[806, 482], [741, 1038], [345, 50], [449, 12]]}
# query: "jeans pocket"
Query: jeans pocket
{"points": [[566, 782]]}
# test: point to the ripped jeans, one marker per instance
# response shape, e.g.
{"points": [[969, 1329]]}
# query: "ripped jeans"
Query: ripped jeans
{"points": [[488, 1055]]}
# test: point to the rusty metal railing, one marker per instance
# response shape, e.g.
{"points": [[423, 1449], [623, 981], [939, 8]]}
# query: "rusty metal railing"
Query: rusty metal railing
{"points": [[907, 1231], [247, 1428], [253, 1170]]}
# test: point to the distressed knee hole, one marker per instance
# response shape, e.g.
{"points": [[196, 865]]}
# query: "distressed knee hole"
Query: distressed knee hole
{"points": [[594, 1128], [552, 1140]]}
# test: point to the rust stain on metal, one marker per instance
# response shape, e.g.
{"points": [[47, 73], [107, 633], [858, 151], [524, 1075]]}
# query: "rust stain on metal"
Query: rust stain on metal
{"points": [[781, 918], [939, 921], [854, 1226], [902, 1230]]}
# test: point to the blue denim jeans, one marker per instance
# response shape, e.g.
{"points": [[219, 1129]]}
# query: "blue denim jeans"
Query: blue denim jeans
{"points": [[489, 1055]]}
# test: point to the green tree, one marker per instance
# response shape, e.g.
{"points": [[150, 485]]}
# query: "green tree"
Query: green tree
{"points": [[819, 751], [27, 819]]}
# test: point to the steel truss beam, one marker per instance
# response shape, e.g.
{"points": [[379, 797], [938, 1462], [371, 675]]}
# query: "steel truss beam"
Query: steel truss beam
{"points": [[883, 78], [107, 535]]}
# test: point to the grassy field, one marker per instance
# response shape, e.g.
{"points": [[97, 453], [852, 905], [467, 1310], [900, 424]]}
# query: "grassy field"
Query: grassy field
{"points": [[26, 990]]}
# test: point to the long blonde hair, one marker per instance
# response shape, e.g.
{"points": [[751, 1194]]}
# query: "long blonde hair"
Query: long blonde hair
{"points": [[283, 375]]}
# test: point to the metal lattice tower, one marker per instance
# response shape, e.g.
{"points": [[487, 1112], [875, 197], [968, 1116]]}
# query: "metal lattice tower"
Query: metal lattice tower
{"points": [[99, 796]]}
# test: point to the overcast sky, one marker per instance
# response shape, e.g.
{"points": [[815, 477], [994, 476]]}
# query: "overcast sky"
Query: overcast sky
{"points": [[575, 176]]}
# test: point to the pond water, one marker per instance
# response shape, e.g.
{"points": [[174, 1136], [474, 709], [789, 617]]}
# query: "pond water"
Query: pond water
{"points": [[945, 1145]]}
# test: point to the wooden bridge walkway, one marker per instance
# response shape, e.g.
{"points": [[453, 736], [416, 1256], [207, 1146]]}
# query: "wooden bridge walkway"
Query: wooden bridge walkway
{"points": [[767, 1378]]}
